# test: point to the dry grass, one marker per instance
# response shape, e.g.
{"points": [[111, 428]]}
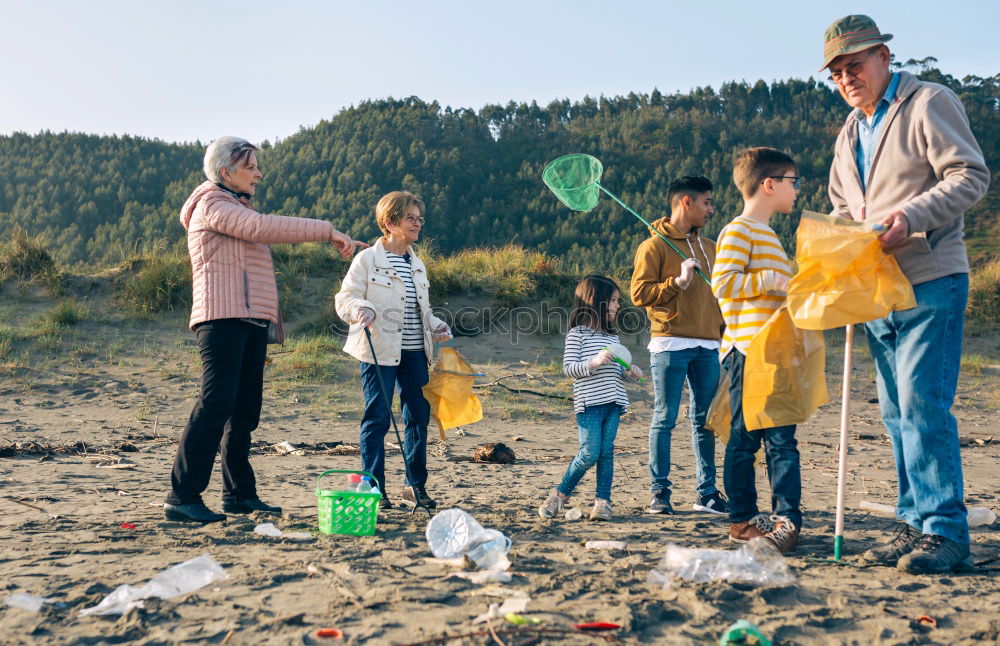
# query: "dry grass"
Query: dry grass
{"points": [[24, 258], [153, 280], [984, 292]]}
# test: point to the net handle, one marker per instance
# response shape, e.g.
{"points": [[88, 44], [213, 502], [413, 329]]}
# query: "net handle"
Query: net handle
{"points": [[662, 237]]}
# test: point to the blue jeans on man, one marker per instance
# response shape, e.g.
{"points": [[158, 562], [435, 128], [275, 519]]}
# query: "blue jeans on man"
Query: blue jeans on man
{"points": [[780, 447], [597, 427], [699, 368], [411, 376], [917, 354]]}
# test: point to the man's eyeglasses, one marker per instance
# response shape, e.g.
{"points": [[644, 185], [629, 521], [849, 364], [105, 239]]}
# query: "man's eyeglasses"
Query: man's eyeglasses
{"points": [[419, 219], [796, 180], [853, 68]]}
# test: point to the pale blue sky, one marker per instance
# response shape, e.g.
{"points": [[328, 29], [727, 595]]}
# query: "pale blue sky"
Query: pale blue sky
{"points": [[185, 70]]}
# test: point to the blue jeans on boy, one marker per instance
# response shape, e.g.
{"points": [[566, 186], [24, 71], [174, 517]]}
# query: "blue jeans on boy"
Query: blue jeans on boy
{"points": [[597, 426], [917, 354], [782, 451], [699, 367], [411, 375]]}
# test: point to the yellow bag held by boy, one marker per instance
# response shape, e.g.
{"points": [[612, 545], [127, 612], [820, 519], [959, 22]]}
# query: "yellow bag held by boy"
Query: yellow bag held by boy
{"points": [[843, 275], [449, 391], [783, 377]]}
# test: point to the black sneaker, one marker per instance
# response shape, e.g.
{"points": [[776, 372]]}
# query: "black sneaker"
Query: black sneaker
{"points": [[902, 543], [660, 504], [412, 494], [713, 503], [936, 555]]}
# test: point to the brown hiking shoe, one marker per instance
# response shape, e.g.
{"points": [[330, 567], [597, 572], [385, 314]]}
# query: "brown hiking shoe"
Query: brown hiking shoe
{"points": [[785, 534], [756, 527]]}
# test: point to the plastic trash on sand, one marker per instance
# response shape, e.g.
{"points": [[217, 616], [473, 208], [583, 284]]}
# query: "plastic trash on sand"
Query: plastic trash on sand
{"points": [[453, 533], [757, 562], [605, 545], [743, 632], [268, 529], [182, 578], [27, 602]]}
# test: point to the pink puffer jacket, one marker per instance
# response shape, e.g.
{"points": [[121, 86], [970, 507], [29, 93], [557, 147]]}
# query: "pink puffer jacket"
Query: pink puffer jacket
{"points": [[233, 274]]}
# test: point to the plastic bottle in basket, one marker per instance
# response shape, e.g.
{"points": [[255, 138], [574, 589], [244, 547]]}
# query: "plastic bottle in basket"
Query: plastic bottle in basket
{"points": [[365, 486], [353, 480]]}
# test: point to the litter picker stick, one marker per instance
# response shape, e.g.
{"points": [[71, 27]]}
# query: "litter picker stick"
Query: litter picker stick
{"points": [[662, 237], [388, 406], [845, 408]]}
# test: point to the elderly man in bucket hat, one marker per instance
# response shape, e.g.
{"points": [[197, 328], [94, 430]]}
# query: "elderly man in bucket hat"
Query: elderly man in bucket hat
{"points": [[907, 159]]}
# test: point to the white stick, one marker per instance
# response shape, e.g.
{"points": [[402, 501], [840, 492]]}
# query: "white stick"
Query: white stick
{"points": [[845, 409]]}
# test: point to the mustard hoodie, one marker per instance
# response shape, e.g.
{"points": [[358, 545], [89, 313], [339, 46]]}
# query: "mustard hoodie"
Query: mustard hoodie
{"points": [[690, 313]]}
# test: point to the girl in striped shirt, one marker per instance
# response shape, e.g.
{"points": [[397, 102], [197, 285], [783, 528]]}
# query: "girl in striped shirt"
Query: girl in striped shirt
{"points": [[598, 392]]}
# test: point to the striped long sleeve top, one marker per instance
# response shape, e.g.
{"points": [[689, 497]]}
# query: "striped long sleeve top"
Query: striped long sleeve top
{"points": [[592, 388], [749, 263]]}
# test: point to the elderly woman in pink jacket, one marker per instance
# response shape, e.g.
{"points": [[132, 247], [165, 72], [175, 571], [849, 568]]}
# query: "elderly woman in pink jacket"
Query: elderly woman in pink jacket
{"points": [[235, 315]]}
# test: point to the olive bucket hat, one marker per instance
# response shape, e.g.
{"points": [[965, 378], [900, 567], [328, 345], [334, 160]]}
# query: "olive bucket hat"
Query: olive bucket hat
{"points": [[850, 34]]}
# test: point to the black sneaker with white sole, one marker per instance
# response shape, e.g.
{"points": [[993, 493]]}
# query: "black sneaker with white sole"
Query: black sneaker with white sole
{"points": [[713, 503], [660, 504], [412, 494]]}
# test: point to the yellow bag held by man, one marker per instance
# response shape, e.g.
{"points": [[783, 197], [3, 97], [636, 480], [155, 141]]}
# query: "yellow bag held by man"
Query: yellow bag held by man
{"points": [[783, 377], [449, 391], [843, 275]]}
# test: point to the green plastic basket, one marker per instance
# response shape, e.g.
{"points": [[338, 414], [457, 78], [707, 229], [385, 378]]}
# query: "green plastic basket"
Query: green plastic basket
{"points": [[346, 512]]}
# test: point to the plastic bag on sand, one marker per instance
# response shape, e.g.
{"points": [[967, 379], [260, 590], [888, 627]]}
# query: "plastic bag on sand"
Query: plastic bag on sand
{"points": [[27, 602], [449, 392], [268, 529], [758, 562], [844, 277], [180, 579], [453, 533]]}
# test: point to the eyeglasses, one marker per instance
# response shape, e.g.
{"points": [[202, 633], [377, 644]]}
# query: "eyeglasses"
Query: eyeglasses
{"points": [[853, 68], [796, 180], [419, 219]]}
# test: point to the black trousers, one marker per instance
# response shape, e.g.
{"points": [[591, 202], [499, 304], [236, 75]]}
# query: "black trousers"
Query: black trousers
{"points": [[227, 411]]}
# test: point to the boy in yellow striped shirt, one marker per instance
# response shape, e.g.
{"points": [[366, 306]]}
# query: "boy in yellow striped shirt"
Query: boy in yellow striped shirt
{"points": [[750, 279]]}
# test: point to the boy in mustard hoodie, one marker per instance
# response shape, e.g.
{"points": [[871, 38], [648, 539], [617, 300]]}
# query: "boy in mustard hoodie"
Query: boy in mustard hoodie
{"points": [[686, 328]]}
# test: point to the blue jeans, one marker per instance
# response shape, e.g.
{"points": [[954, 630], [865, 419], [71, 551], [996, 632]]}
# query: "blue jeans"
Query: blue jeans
{"points": [[699, 367], [410, 375], [598, 426], [781, 448], [917, 353]]}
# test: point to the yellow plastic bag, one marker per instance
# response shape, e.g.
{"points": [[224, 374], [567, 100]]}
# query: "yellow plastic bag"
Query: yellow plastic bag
{"points": [[783, 378], [844, 277], [449, 392]]}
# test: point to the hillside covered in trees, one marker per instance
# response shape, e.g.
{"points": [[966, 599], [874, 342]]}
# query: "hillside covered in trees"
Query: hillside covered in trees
{"points": [[94, 198]]}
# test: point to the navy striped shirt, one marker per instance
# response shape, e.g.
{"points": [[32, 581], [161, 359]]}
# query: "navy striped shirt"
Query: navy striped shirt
{"points": [[605, 385], [413, 330]]}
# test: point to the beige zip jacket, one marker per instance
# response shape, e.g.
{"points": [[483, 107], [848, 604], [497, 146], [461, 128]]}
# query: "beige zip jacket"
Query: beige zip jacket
{"points": [[927, 163], [372, 282]]}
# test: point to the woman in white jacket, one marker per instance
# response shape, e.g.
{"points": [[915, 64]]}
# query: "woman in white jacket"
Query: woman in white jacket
{"points": [[386, 291]]}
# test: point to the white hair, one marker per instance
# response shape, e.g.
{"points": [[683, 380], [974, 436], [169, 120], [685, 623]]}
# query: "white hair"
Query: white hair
{"points": [[224, 152]]}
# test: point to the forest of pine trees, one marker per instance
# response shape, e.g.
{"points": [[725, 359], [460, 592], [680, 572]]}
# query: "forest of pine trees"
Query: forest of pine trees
{"points": [[94, 198]]}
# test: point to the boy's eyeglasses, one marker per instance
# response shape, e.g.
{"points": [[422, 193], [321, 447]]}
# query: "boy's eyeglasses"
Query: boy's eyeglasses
{"points": [[796, 180], [420, 220]]}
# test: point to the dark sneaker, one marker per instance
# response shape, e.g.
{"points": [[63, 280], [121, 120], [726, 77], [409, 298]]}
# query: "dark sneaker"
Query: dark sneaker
{"points": [[412, 494], [385, 503], [936, 555], [248, 506], [193, 513], [713, 503], [660, 504], [756, 527], [785, 534], [902, 543]]}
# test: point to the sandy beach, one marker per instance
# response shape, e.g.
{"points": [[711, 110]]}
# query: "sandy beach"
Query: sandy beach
{"points": [[122, 398]]}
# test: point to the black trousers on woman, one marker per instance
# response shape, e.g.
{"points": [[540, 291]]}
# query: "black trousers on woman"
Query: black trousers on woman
{"points": [[227, 411]]}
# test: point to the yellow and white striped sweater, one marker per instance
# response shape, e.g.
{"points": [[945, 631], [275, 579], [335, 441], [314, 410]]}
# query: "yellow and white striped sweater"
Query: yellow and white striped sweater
{"points": [[749, 263]]}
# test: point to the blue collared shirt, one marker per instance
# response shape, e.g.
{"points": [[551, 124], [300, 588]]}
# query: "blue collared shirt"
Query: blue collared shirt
{"points": [[868, 132]]}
